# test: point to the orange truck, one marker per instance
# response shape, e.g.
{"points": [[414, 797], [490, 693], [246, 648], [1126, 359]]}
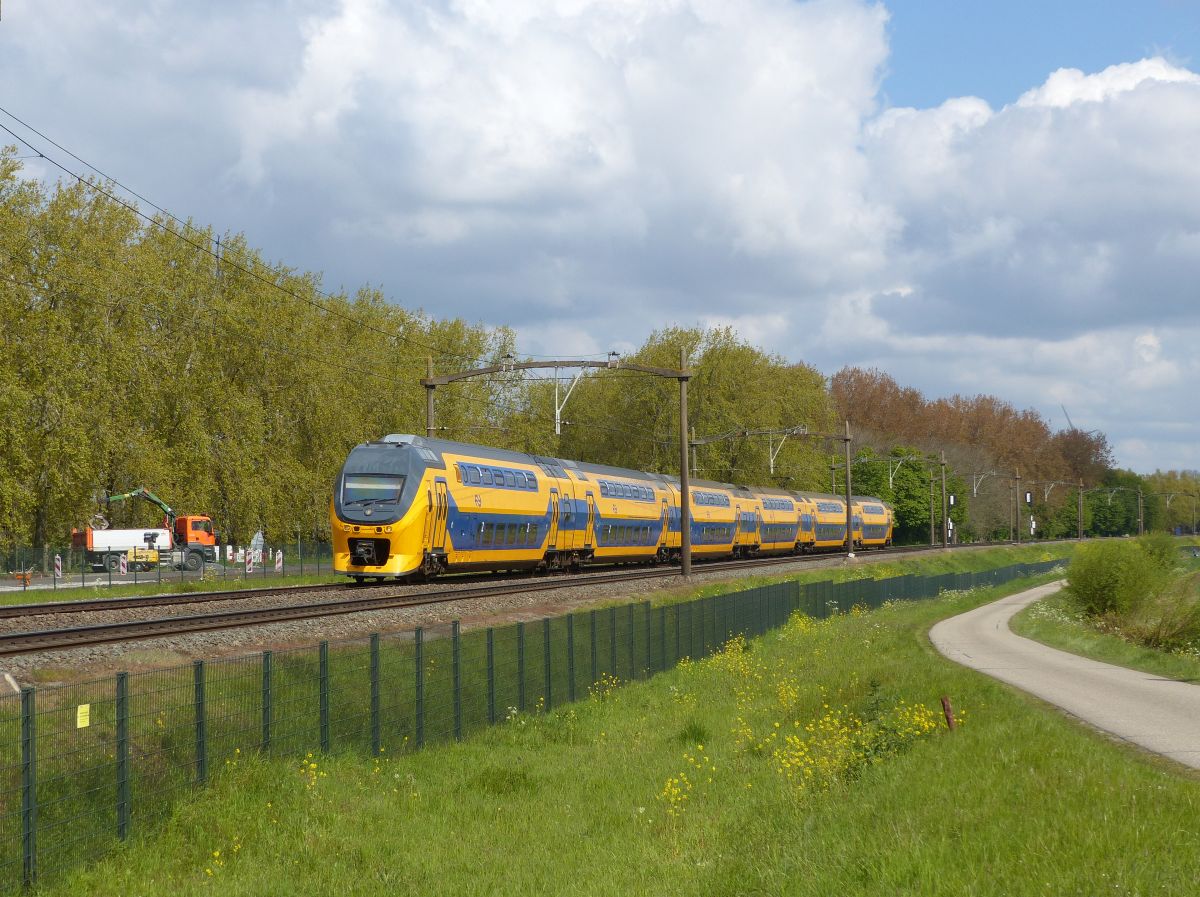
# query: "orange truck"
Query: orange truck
{"points": [[185, 541]]}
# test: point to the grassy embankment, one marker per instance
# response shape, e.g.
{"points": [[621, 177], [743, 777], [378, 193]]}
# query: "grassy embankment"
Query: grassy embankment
{"points": [[679, 786], [1155, 636]]}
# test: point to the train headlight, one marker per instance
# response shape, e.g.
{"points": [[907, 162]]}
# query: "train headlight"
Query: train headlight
{"points": [[356, 529], [345, 527], [387, 529]]}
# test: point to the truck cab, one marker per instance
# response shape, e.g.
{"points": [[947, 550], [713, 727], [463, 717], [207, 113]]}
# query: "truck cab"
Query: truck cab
{"points": [[193, 533]]}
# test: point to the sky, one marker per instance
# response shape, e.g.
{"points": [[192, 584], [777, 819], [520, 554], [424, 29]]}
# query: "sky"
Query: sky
{"points": [[975, 198]]}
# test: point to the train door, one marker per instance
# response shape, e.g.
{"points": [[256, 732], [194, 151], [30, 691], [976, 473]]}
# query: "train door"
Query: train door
{"points": [[441, 510], [427, 534], [589, 534], [552, 541], [665, 519]]}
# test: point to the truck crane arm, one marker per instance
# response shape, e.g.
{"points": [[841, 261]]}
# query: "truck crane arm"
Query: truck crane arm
{"points": [[146, 495]]}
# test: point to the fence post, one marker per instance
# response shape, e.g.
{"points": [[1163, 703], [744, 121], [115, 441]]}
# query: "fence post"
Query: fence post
{"points": [[546, 660], [456, 666], [491, 675], [201, 728], [122, 756], [323, 697], [521, 667], [266, 701], [376, 726], [571, 658], [648, 613], [632, 641], [595, 657], [419, 663], [675, 618], [662, 638], [29, 786], [612, 641]]}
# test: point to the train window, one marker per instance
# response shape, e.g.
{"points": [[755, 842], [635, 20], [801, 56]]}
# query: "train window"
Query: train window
{"points": [[487, 476], [510, 534], [535, 534], [509, 480], [458, 472], [498, 476], [473, 475], [485, 537]]}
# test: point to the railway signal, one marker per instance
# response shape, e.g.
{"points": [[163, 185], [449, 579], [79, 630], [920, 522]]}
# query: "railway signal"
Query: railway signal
{"points": [[123, 565], [279, 560]]}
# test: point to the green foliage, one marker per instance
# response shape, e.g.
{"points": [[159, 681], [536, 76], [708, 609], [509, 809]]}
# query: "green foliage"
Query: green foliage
{"points": [[1113, 577], [230, 386], [1162, 549]]}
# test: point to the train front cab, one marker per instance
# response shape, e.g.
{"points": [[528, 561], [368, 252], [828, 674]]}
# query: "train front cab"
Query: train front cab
{"points": [[380, 508]]}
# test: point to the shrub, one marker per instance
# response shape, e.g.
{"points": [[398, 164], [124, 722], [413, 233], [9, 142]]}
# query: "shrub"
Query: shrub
{"points": [[1112, 577], [1162, 549]]}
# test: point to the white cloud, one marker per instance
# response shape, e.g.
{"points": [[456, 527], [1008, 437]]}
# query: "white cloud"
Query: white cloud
{"points": [[1066, 87], [589, 170]]}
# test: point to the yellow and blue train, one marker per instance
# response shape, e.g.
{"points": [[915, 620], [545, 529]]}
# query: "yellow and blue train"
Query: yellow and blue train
{"points": [[408, 506]]}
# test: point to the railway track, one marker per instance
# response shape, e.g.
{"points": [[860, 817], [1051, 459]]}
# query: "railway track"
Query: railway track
{"points": [[103, 633]]}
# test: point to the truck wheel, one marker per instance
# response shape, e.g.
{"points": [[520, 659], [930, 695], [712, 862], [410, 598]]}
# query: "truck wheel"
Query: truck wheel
{"points": [[112, 563], [191, 561]]}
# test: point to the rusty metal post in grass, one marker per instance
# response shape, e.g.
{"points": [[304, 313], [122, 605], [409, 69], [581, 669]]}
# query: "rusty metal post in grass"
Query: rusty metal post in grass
{"points": [[949, 711]]}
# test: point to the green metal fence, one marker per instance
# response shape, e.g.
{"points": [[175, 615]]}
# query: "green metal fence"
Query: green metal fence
{"points": [[57, 567], [83, 766]]}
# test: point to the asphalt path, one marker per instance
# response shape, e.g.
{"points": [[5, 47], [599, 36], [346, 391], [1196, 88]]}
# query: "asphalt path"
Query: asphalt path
{"points": [[1161, 715]]}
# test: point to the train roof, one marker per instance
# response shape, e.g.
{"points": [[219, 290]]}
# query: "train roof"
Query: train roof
{"points": [[432, 450]]}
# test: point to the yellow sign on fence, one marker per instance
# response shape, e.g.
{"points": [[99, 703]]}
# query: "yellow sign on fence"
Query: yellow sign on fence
{"points": [[83, 716]]}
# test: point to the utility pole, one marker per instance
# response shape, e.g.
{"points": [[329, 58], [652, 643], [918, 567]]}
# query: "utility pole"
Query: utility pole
{"points": [[1017, 499], [685, 516], [1079, 523], [945, 510], [931, 536], [429, 388], [849, 510]]}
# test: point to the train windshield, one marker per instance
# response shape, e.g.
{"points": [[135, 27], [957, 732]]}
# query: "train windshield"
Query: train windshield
{"points": [[370, 488]]}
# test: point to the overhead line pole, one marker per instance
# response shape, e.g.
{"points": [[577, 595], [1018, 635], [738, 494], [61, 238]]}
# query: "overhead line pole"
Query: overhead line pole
{"points": [[685, 517], [946, 534]]}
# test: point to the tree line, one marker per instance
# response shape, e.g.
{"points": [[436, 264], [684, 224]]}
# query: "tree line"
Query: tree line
{"points": [[140, 351]]}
